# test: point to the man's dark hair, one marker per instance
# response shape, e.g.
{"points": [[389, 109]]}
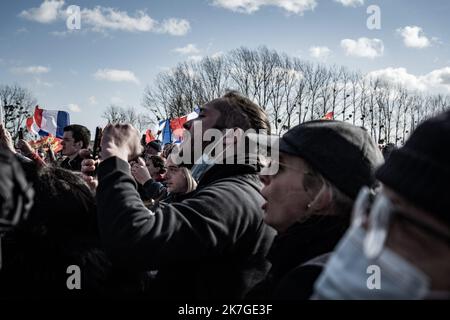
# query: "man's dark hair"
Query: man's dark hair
{"points": [[64, 206], [239, 111], [158, 162], [80, 133], [61, 230]]}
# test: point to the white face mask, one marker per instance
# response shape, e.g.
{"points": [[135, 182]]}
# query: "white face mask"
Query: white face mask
{"points": [[362, 268], [207, 161]]}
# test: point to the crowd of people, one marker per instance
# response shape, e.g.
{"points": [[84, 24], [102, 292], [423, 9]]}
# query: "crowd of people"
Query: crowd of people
{"points": [[339, 219]]}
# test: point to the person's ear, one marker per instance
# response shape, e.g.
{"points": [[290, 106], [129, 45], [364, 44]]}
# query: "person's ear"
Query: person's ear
{"points": [[322, 200], [79, 145]]}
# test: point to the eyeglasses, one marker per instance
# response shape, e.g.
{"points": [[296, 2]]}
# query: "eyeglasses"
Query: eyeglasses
{"points": [[378, 210]]}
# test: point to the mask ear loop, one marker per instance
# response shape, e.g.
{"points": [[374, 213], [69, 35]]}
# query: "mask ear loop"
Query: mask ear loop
{"points": [[361, 207], [229, 134], [379, 220]]}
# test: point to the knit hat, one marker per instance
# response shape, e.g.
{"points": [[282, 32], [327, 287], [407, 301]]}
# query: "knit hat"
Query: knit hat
{"points": [[420, 170], [155, 144], [344, 154]]}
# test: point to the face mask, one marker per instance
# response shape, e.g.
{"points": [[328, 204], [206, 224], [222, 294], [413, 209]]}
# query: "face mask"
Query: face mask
{"points": [[362, 268], [207, 161], [201, 167]]}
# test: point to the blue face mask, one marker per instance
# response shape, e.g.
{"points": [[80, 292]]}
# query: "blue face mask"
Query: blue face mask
{"points": [[362, 268], [199, 169]]}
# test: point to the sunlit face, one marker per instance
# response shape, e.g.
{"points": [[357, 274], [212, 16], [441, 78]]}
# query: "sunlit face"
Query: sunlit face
{"points": [[206, 119], [175, 179], [70, 147], [286, 197]]}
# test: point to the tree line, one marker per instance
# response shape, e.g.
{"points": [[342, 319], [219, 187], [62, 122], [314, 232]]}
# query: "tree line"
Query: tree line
{"points": [[293, 91], [289, 89]]}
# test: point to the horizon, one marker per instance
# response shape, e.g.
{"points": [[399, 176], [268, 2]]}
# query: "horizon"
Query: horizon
{"points": [[121, 47]]}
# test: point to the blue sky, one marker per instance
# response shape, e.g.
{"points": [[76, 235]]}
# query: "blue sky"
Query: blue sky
{"points": [[122, 45]]}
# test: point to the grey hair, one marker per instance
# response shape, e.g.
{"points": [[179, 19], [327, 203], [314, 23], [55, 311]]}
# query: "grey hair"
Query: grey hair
{"points": [[341, 203]]}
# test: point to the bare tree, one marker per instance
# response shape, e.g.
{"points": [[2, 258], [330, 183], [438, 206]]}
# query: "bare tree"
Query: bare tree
{"points": [[117, 114], [17, 103], [213, 76], [284, 86]]}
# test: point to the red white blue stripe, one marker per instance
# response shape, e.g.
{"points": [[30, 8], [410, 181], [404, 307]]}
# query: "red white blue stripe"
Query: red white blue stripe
{"points": [[48, 122]]}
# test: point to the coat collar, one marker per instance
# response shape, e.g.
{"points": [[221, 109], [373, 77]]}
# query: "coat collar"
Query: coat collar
{"points": [[304, 241]]}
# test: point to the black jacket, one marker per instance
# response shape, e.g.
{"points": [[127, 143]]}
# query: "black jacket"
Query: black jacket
{"points": [[211, 245], [289, 278], [37, 267], [152, 190], [74, 165]]}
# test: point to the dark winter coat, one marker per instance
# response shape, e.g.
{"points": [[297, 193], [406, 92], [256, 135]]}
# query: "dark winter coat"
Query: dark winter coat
{"points": [[291, 277], [211, 245]]}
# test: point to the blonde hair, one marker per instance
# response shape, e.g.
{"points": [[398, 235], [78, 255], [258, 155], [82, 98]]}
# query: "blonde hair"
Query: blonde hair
{"points": [[191, 183]]}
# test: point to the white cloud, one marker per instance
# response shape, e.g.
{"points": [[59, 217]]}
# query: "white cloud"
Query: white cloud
{"points": [[189, 49], [43, 83], [116, 75], [413, 37], [437, 81], [93, 100], [22, 30], [351, 3], [363, 47], [195, 58], [439, 77], [30, 70], [48, 11], [102, 19], [175, 27], [319, 52], [116, 100], [250, 6], [74, 107], [217, 54], [62, 34], [398, 76]]}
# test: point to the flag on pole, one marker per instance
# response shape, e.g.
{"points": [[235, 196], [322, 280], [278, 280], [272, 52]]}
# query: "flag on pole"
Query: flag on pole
{"points": [[149, 137], [172, 130], [47, 142], [165, 132], [176, 125], [48, 122], [328, 116]]}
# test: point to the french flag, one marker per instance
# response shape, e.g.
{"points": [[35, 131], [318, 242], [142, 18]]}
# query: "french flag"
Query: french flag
{"points": [[172, 130], [48, 122]]}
